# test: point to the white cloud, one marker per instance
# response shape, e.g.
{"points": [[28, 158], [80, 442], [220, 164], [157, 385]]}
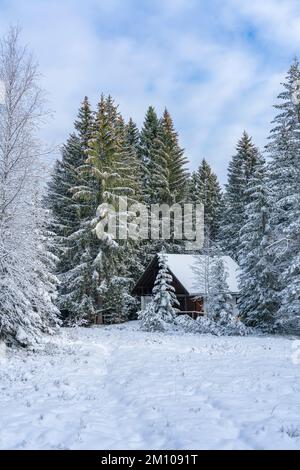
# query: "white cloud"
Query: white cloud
{"points": [[278, 21], [165, 53]]}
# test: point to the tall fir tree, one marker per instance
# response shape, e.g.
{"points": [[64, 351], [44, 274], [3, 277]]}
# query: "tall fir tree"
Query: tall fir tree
{"points": [[240, 169], [192, 189], [84, 124], [107, 173], [163, 161], [135, 249], [259, 288], [174, 161], [284, 200], [205, 189], [59, 198], [165, 175], [69, 220], [131, 161], [147, 151]]}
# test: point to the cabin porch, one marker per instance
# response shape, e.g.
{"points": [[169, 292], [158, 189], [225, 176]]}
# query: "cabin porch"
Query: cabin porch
{"points": [[187, 305]]}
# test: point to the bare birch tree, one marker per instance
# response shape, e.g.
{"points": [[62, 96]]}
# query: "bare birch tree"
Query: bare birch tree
{"points": [[26, 287]]}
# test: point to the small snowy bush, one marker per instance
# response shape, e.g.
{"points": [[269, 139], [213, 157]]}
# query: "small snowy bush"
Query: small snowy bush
{"points": [[225, 325], [186, 323], [151, 319]]}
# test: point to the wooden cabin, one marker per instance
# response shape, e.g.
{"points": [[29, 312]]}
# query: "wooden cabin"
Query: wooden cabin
{"points": [[188, 289]]}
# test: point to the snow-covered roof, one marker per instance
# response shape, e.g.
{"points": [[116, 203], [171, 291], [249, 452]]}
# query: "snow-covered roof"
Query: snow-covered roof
{"points": [[183, 268]]}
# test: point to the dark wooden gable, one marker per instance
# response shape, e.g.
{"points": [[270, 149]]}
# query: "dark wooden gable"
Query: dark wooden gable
{"points": [[146, 282]]}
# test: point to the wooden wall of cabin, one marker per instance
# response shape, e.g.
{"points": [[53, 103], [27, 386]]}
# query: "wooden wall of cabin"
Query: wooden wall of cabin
{"points": [[189, 304]]}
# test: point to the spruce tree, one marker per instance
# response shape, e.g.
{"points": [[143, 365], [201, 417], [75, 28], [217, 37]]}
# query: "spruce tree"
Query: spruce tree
{"points": [[240, 169], [147, 151], [176, 162], [164, 297], [131, 162], [161, 310], [192, 188], [69, 221], [134, 248], [284, 200], [258, 299], [167, 173], [107, 173], [207, 191], [84, 124], [65, 215]]}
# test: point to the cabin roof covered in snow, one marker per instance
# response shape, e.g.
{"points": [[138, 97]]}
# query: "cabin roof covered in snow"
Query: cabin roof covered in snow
{"points": [[183, 268]]}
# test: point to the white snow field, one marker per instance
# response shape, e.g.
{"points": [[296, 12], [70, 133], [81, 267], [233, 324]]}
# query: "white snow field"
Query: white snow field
{"points": [[116, 387]]}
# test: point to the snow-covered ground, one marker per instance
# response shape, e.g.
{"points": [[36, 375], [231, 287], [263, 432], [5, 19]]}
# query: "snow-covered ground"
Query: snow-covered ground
{"points": [[119, 388]]}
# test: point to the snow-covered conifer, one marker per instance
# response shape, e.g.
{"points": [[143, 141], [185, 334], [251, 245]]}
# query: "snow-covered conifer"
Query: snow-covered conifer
{"points": [[205, 189], [70, 222], [258, 299], [162, 308], [147, 150], [283, 182], [219, 305], [164, 297], [174, 159], [107, 178], [240, 169]]}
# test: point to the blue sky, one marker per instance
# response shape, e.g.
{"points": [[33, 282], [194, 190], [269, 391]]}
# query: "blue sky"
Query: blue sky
{"points": [[216, 65]]}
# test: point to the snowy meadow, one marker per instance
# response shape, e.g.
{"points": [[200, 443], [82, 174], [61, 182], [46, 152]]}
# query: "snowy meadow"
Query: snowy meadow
{"points": [[116, 387]]}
